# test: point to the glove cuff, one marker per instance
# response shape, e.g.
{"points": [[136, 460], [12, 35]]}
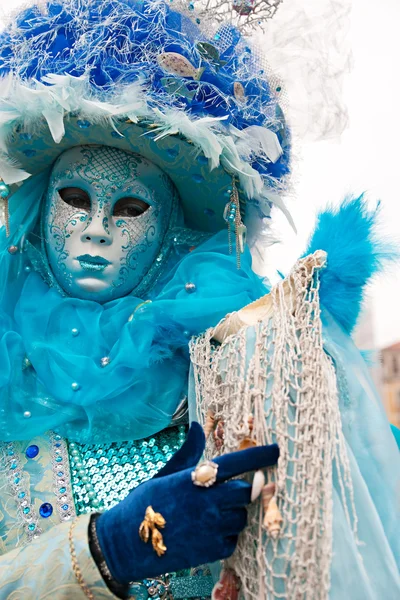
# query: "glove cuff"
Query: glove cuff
{"points": [[121, 590]]}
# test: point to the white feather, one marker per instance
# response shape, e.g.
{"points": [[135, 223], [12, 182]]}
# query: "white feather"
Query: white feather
{"points": [[61, 95], [258, 141]]}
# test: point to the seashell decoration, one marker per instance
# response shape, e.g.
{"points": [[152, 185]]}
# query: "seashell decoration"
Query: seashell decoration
{"points": [[177, 64], [248, 442], [209, 424], [272, 516], [258, 485], [250, 421], [228, 586], [268, 493], [238, 92], [219, 435]]}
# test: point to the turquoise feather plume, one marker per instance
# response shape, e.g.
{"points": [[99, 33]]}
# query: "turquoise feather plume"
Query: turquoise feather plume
{"points": [[355, 254]]}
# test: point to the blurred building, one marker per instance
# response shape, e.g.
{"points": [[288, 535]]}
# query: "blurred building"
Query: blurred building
{"points": [[391, 382]]}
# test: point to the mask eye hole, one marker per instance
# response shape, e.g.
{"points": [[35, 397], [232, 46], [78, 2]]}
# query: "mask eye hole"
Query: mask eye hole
{"points": [[129, 207], [76, 197]]}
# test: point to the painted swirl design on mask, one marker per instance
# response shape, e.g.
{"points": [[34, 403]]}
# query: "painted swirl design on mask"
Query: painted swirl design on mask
{"points": [[130, 244]]}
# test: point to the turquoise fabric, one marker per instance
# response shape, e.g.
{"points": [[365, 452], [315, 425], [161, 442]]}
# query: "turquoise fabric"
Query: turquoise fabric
{"points": [[396, 433], [64, 385]]}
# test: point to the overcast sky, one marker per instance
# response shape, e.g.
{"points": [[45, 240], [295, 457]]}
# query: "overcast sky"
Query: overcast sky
{"points": [[367, 158]]}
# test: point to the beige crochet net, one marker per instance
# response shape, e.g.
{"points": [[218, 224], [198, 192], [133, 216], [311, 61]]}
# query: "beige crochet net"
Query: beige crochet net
{"points": [[277, 371]]}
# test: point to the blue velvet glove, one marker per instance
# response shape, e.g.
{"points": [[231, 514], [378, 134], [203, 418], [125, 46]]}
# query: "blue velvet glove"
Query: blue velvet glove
{"points": [[202, 524]]}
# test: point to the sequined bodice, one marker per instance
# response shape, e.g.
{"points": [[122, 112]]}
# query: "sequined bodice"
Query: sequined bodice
{"points": [[52, 480], [104, 474]]}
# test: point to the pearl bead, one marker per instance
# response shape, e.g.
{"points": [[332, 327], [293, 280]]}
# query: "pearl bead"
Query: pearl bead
{"points": [[105, 361], [13, 249], [75, 331], [91, 494], [27, 414], [190, 287], [95, 502], [81, 472], [72, 445], [75, 386], [85, 479], [26, 363], [27, 269], [74, 452], [205, 473]]}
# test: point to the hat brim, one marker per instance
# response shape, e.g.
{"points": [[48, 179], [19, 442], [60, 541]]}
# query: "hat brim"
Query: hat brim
{"points": [[200, 155]]}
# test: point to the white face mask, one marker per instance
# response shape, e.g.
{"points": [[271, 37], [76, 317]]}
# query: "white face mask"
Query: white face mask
{"points": [[106, 215]]}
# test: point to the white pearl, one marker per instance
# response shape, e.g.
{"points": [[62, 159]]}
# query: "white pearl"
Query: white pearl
{"points": [[27, 414]]}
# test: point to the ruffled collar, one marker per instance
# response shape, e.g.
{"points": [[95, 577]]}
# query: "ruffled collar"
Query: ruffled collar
{"points": [[116, 371]]}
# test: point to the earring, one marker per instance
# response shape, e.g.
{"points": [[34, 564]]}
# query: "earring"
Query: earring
{"points": [[235, 224], [4, 193]]}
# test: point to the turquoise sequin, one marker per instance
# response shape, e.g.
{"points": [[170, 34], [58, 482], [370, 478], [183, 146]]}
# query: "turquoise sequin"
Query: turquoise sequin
{"points": [[104, 474]]}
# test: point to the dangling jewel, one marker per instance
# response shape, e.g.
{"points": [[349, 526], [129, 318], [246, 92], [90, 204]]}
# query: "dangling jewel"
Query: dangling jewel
{"points": [[242, 235], [234, 218], [4, 193]]}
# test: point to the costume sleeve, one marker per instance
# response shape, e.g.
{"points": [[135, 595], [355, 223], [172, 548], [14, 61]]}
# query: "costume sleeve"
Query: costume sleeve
{"points": [[44, 568]]}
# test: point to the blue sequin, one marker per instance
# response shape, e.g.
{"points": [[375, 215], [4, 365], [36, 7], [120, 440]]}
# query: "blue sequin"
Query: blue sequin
{"points": [[32, 451], [83, 124], [46, 510]]}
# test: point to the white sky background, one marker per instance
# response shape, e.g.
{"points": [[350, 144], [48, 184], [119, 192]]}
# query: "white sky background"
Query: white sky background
{"points": [[367, 158]]}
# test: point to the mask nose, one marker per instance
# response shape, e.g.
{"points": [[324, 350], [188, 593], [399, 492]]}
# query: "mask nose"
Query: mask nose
{"points": [[96, 233]]}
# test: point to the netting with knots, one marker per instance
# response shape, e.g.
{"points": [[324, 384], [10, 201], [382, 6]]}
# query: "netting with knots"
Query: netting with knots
{"points": [[277, 372]]}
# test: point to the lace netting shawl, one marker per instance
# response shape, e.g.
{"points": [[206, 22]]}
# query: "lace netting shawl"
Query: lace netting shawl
{"points": [[271, 381]]}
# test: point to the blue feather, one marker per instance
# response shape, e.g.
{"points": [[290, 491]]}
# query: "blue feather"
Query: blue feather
{"points": [[355, 254], [116, 42]]}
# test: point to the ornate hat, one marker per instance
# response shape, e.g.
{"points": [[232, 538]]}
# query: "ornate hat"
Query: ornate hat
{"points": [[145, 77]]}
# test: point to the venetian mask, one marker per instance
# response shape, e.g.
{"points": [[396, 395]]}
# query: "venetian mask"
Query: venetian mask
{"points": [[106, 215]]}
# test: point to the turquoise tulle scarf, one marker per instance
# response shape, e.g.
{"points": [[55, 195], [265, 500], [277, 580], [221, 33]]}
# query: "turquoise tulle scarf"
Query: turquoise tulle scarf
{"points": [[88, 370]]}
